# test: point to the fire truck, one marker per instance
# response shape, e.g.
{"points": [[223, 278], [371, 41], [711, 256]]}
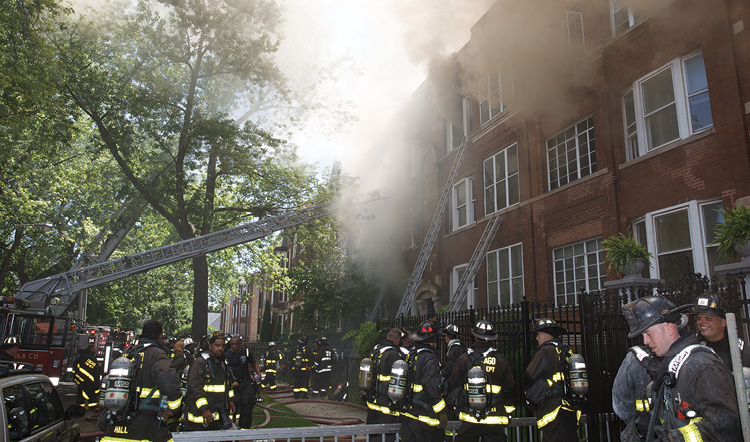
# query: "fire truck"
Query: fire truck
{"points": [[41, 316]]}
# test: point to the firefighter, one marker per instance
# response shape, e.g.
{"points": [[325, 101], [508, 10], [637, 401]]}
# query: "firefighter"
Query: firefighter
{"points": [[693, 390], [301, 365], [323, 362], [179, 361], [631, 392], [158, 385], [88, 376], [209, 399], [495, 376], [272, 361], [189, 351], [245, 371], [711, 310], [8, 353], [425, 415], [544, 384], [383, 355], [455, 350]]}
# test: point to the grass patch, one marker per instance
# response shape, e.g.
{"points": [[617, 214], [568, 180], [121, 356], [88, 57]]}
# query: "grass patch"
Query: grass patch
{"points": [[281, 415]]}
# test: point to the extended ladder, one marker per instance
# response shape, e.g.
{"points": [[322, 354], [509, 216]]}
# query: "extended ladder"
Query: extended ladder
{"points": [[378, 302], [53, 293], [467, 280], [429, 240]]}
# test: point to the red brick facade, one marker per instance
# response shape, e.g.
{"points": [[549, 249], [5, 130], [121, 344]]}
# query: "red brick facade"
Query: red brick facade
{"points": [[701, 166]]}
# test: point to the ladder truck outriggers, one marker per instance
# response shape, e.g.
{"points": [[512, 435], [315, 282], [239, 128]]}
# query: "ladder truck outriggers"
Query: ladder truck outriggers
{"points": [[39, 314]]}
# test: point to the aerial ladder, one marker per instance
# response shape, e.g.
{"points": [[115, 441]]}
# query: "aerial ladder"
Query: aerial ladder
{"points": [[429, 241], [56, 294], [467, 280]]}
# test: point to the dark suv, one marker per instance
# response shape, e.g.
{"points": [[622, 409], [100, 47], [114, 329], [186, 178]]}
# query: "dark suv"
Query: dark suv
{"points": [[30, 408]]}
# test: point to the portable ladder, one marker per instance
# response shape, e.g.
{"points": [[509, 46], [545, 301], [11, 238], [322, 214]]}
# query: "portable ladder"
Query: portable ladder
{"points": [[429, 241], [467, 280]]}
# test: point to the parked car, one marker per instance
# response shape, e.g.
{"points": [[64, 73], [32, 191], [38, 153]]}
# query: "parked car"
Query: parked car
{"points": [[31, 409]]}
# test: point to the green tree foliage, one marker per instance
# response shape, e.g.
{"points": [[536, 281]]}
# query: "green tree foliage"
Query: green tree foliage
{"points": [[365, 338], [152, 80]]}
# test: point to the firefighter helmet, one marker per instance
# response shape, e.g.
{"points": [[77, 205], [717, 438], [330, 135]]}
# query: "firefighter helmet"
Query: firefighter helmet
{"points": [[189, 341], [484, 331], [451, 330], [426, 332], [323, 340], [650, 310], [549, 326], [711, 304], [272, 344]]}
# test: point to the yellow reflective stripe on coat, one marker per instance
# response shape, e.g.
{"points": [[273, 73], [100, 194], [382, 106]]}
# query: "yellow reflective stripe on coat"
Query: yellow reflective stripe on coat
{"points": [[231, 393], [424, 419], [490, 420], [382, 409], [558, 377], [119, 439], [219, 388], [416, 388], [175, 404], [510, 409], [88, 375], [643, 404], [201, 402], [384, 378], [547, 418], [690, 432], [494, 389], [440, 406], [199, 419]]}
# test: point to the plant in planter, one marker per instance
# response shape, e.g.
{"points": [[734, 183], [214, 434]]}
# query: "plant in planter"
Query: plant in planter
{"points": [[734, 234], [625, 254]]}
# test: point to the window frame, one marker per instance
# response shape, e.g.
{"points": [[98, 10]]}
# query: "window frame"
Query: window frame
{"points": [[507, 178], [633, 20], [456, 273], [591, 152], [496, 82], [469, 203], [511, 276], [599, 253], [637, 141]]}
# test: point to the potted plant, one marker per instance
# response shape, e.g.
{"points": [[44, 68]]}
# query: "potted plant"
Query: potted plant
{"points": [[734, 233], [625, 254]]}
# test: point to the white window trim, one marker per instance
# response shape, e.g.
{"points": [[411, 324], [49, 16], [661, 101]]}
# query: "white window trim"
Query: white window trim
{"points": [[632, 19], [578, 153], [470, 202], [486, 82], [697, 234], [679, 86], [601, 275], [243, 310], [504, 152], [471, 295], [523, 282], [573, 46]]}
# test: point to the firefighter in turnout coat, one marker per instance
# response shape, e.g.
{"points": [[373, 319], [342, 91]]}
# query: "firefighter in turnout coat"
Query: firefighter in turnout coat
{"points": [[155, 381], [271, 364], [425, 416], [693, 391], [383, 355], [88, 376], [544, 384], [301, 367], [323, 362], [210, 398], [711, 311], [497, 378]]}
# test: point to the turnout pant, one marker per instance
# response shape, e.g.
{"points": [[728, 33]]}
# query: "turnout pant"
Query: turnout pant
{"points": [[469, 432], [244, 399], [269, 380], [376, 417], [142, 427], [301, 381], [563, 429], [87, 394], [415, 431], [321, 382]]}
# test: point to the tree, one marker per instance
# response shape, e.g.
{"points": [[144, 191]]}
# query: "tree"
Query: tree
{"points": [[151, 78], [265, 325]]}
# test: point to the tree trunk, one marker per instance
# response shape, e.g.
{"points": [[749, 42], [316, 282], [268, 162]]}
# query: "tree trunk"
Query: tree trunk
{"points": [[200, 297]]}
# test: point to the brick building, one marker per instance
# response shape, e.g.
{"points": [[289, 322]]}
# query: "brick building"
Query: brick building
{"points": [[585, 119]]}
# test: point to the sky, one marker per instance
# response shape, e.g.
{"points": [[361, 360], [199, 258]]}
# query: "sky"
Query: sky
{"points": [[391, 43]]}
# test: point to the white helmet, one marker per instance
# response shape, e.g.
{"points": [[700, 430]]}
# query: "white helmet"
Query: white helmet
{"points": [[188, 341], [272, 344]]}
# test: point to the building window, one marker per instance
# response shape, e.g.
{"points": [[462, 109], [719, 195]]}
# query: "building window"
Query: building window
{"points": [[471, 295], [571, 154], [680, 239], [462, 203], [244, 310], [495, 92], [578, 266], [459, 125], [622, 16], [505, 276], [501, 180], [667, 105], [573, 28]]}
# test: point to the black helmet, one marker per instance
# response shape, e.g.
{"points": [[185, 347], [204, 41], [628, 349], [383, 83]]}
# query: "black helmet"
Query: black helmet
{"points": [[650, 310], [711, 304], [426, 332], [323, 340], [484, 331], [548, 325], [451, 330]]}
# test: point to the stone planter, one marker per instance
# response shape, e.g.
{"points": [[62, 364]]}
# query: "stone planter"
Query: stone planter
{"points": [[743, 250], [634, 269]]}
